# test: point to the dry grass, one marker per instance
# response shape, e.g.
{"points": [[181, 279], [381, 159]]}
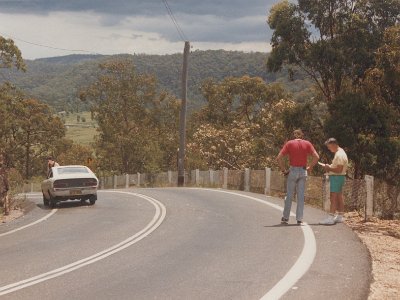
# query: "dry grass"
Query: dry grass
{"points": [[81, 132], [82, 135]]}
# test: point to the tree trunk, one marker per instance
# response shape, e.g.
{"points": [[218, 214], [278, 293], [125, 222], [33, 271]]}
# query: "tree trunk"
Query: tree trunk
{"points": [[27, 156]]}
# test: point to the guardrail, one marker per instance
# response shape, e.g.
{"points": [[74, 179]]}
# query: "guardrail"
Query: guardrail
{"points": [[368, 196]]}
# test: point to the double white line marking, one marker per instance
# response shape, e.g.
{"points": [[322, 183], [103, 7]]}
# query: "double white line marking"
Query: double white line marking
{"points": [[158, 218]]}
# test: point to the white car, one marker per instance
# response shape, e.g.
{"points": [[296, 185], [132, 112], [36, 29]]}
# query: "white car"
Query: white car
{"points": [[69, 183]]}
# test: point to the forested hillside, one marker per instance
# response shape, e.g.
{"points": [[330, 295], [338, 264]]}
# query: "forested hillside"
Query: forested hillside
{"points": [[57, 80]]}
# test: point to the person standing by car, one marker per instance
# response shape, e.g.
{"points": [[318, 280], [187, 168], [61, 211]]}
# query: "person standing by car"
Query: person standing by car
{"points": [[298, 151], [337, 176], [4, 186], [50, 164]]}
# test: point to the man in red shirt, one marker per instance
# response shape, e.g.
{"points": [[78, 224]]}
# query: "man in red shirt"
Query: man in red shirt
{"points": [[298, 151]]}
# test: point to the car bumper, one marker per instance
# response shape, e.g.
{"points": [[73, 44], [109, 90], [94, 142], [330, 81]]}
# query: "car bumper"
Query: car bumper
{"points": [[73, 193]]}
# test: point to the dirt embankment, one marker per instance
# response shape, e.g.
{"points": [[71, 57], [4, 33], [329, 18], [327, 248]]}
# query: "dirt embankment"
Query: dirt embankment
{"points": [[382, 238], [20, 207]]}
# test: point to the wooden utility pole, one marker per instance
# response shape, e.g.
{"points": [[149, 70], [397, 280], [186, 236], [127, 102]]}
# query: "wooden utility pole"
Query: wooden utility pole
{"points": [[182, 119]]}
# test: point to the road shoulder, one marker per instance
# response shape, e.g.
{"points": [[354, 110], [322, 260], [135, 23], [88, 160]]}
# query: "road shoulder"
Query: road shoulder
{"points": [[382, 238], [26, 210]]}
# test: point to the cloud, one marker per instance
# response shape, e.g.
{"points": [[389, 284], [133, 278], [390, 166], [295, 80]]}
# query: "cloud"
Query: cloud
{"points": [[226, 8], [207, 28], [81, 31], [128, 26], [210, 28]]}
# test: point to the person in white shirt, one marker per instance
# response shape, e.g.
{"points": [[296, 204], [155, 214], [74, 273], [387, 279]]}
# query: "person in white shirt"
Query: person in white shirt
{"points": [[337, 175], [50, 164]]}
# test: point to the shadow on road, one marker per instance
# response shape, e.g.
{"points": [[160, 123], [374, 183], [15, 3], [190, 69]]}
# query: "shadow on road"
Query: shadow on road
{"points": [[63, 205], [282, 225], [295, 225]]}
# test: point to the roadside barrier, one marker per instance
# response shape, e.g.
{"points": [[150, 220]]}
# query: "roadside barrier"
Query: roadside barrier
{"points": [[368, 196]]}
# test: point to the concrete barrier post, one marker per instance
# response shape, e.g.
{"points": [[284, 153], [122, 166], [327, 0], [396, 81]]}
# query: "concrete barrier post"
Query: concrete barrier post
{"points": [[170, 177], [127, 181], [115, 182], [369, 204], [267, 190], [211, 177], [138, 179], [225, 184], [247, 180], [32, 187], [197, 177], [102, 183], [327, 194]]}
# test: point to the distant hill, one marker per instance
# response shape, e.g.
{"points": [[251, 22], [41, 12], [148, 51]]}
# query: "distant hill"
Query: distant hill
{"points": [[57, 80]]}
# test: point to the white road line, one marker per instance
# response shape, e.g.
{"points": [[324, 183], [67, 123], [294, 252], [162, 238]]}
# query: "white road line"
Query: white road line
{"points": [[302, 264], [153, 225], [53, 211]]}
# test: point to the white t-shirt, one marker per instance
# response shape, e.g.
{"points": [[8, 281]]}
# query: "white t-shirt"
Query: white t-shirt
{"points": [[340, 159]]}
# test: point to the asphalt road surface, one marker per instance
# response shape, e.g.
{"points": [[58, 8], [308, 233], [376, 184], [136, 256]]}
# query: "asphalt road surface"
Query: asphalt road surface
{"points": [[178, 244]]}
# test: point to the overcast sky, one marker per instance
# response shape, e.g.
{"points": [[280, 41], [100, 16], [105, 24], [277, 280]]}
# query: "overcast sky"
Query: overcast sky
{"points": [[132, 26]]}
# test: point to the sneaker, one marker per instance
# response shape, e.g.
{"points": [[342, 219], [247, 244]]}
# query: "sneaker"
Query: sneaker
{"points": [[284, 221], [299, 222], [330, 220], [339, 219]]}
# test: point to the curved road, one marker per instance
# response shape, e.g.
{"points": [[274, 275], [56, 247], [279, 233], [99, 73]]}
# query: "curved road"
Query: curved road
{"points": [[178, 244]]}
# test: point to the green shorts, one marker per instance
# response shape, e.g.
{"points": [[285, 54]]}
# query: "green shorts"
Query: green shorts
{"points": [[336, 183]]}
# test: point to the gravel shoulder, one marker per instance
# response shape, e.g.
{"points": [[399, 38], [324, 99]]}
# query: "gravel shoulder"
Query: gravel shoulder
{"points": [[382, 238], [21, 207], [14, 214]]}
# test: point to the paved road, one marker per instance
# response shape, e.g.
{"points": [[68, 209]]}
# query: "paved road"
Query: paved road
{"points": [[177, 244]]}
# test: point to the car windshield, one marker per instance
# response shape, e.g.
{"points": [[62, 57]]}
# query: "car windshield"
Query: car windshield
{"points": [[69, 170]]}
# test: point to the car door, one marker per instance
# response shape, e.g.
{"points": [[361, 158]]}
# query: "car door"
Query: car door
{"points": [[46, 185]]}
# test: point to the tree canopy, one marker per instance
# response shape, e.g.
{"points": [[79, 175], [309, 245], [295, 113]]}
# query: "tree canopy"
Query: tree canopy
{"points": [[241, 124], [331, 41], [57, 81], [10, 55], [137, 123], [351, 50]]}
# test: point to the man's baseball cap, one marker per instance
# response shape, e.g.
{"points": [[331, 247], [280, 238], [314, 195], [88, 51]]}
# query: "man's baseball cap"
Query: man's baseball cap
{"points": [[331, 141]]}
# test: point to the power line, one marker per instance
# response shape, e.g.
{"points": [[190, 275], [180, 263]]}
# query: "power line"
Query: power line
{"points": [[173, 19], [169, 11], [47, 46]]}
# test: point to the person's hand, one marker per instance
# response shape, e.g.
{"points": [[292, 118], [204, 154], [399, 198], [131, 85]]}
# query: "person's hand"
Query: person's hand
{"points": [[326, 167], [309, 169], [285, 172]]}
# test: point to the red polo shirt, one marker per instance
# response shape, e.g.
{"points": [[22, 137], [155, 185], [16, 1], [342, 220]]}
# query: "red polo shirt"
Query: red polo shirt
{"points": [[298, 150]]}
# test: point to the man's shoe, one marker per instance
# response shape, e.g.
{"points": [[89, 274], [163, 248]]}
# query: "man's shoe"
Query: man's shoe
{"points": [[299, 222], [330, 220], [284, 221], [339, 219]]}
